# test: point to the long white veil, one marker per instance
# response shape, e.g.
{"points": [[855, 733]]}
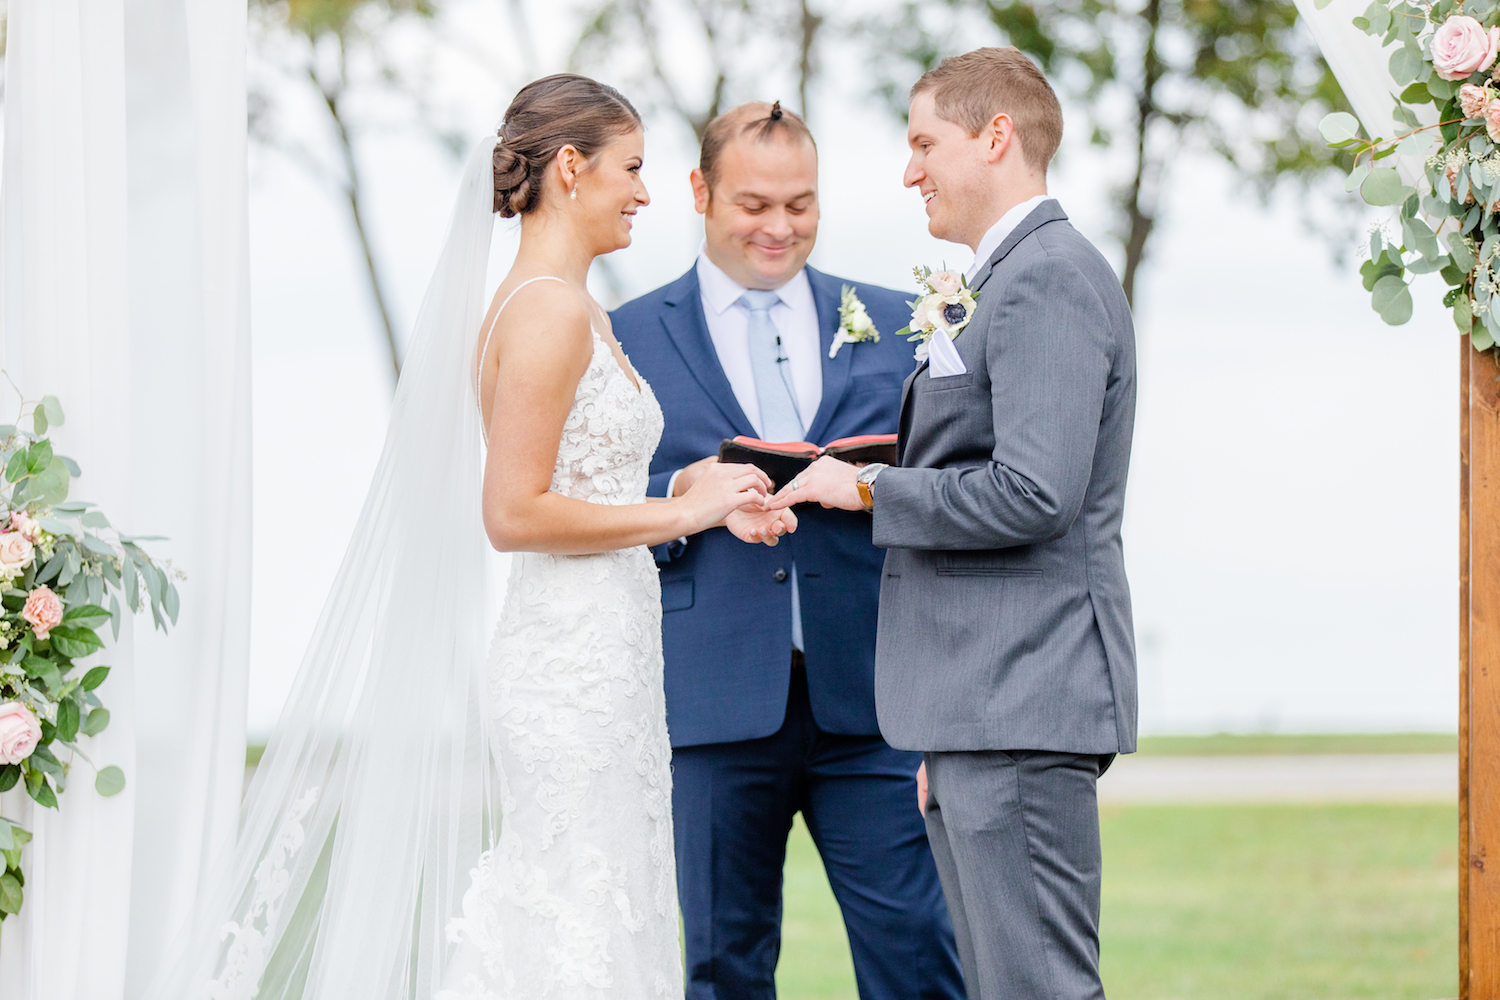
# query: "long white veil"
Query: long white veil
{"points": [[376, 796]]}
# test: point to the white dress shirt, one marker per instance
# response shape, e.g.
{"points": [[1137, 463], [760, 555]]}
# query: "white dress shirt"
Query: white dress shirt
{"points": [[796, 319], [991, 240]]}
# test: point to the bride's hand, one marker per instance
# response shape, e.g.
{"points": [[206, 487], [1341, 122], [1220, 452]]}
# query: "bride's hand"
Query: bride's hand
{"points": [[760, 526], [722, 489]]}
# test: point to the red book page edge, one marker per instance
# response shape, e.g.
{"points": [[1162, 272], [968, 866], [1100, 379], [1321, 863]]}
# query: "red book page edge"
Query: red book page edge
{"points": [[797, 449], [863, 439]]}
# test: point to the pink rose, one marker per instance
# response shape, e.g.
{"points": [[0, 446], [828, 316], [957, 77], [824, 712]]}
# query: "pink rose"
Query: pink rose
{"points": [[43, 610], [1473, 100], [15, 553], [920, 320], [946, 282], [1461, 46], [1492, 120], [19, 732]]}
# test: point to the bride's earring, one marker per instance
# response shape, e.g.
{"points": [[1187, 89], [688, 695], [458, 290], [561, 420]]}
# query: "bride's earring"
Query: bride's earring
{"points": [[574, 194]]}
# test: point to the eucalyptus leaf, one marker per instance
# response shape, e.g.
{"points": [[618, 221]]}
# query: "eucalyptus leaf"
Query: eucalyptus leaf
{"points": [[38, 421], [96, 723], [111, 781], [1392, 300], [10, 894], [114, 616], [1441, 89], [1481, 339], [1339, 126], [52, 568], [55, 526], [53, 409], [169, 602], [72, 466], [95, 519], [1320, 4], [100, 547], [1406, 66], [9, 775], [1462, 258], [7, 842], [1358, 174], [1383, 187]]}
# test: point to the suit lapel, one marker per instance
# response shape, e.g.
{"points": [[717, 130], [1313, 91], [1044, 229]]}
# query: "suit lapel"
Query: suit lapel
{"points": [[685, 323], [826, 296], [1047, 211]]}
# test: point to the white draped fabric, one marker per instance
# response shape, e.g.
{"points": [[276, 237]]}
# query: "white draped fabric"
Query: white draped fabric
{"points": [[124, 294], [1362, 67]]}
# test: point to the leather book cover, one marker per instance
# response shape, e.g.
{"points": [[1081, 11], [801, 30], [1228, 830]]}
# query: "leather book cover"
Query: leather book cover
{"points": [[864, 449], [781, 460]]}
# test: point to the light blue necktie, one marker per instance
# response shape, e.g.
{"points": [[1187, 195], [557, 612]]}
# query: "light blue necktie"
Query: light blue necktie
{"points": [[779, 420]]}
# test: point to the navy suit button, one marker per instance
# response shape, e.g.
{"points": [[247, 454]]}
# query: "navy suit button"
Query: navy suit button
{"points": [[779, 576]]}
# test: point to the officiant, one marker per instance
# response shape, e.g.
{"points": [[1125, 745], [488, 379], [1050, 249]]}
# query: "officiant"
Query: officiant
{"points": [[770, 651]]}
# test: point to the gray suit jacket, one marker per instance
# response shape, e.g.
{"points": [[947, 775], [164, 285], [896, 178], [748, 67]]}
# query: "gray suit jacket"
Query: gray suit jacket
{"points": [[1004, 611]]}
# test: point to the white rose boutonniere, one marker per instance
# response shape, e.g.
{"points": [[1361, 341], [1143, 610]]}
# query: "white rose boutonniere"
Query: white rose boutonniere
{"points": [[855, 325], [947, 304]]}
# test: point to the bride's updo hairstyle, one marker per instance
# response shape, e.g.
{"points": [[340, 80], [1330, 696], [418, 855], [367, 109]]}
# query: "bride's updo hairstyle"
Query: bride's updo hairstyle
{"points": [[556, 111]]}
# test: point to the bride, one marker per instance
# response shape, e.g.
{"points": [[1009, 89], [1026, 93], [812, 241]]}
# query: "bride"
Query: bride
{"points": [[428, 822]]}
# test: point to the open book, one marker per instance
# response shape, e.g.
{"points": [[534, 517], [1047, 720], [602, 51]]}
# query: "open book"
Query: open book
{"points": [[782, 460]]}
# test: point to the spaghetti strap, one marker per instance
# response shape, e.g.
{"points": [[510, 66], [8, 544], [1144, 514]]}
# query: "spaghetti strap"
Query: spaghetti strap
{"points": [[479, 369]]}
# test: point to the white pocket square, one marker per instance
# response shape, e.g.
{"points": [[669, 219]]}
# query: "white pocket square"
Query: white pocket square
{"points": [[943, 358]]}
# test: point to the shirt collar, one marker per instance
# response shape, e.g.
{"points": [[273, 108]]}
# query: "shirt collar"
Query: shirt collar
{"points": [[720, 291], [999, 231]]}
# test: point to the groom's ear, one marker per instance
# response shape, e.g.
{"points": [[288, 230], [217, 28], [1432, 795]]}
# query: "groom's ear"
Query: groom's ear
{"points": [[700, 191], [1002, 136]]}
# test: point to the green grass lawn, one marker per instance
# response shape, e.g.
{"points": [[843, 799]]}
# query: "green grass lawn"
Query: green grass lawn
{"points": [[1226, 903], [1295, 743]]}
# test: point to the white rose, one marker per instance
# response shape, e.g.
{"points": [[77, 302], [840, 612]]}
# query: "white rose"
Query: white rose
{"points": [[15, 553], [860, 322]]}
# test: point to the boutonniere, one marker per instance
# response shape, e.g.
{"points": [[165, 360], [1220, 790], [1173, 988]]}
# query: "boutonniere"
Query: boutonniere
{"points": [[855, 325], [947, 304]]}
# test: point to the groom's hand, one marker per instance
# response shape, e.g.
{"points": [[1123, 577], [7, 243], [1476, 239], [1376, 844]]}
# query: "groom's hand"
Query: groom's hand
{"points": [[922, 788], [827, 481]]}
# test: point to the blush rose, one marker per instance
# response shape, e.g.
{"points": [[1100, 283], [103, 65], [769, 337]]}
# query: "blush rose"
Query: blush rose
{"points": [[946, 282], [19, 732], [1461, 47], [43, 610], [1473, 100], [26, 525], [15, 553]]}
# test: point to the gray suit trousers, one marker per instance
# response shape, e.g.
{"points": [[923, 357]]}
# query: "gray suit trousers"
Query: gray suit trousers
{"points": [[1015, 834]]}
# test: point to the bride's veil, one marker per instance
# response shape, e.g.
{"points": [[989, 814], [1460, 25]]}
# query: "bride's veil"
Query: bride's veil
{"points": [[375, 798]]}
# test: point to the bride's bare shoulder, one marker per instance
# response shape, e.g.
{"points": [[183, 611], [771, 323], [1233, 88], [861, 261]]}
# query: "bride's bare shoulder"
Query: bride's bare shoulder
{"points": [[525, 309]]}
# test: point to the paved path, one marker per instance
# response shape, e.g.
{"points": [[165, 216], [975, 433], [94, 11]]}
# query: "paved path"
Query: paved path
{"points": [[1274, 778]]}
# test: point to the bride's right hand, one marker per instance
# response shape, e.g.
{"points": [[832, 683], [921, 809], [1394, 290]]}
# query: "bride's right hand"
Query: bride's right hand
{"points": [[722, 488]]}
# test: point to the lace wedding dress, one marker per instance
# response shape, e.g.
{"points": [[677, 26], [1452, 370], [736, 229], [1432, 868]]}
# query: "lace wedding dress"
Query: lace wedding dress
{"points": [[578, 897]]}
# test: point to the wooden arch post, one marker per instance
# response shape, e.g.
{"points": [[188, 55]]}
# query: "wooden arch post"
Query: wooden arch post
{"points": [[1479, 677]]}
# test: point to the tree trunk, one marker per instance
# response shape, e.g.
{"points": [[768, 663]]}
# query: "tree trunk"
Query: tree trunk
{"points": [[352, 193], [809, 24], [1140, 213]]}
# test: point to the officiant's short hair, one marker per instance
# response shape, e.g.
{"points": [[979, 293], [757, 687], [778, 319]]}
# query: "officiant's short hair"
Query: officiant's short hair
{"points": [[757, 120], [971, 89]]}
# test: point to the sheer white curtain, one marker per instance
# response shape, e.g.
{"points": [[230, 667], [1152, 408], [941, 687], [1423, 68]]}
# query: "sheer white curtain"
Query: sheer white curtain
{"points": [[124, 293]]}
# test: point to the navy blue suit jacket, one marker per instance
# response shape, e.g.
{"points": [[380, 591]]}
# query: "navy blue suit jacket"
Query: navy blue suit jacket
{"points": [[727, 621]]}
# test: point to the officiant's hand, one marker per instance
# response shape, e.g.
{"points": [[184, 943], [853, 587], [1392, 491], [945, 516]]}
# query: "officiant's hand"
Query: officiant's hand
{"points": [[760, 526], [922, 788], [827, 481]]}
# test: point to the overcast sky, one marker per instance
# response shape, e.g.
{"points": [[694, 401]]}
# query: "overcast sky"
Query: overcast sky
{"points": [[1291, 524]]}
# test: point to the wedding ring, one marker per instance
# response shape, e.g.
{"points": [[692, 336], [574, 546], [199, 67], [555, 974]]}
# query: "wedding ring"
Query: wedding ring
{"points": [[796, 482]]}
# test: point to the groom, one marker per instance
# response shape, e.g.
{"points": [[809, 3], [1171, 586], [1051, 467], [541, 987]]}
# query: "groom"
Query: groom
{"points": [[1006, 649], [770, 652]]}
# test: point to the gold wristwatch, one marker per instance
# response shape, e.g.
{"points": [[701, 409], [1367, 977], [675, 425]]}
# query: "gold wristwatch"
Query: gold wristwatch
{"points": [[863, 481]]}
